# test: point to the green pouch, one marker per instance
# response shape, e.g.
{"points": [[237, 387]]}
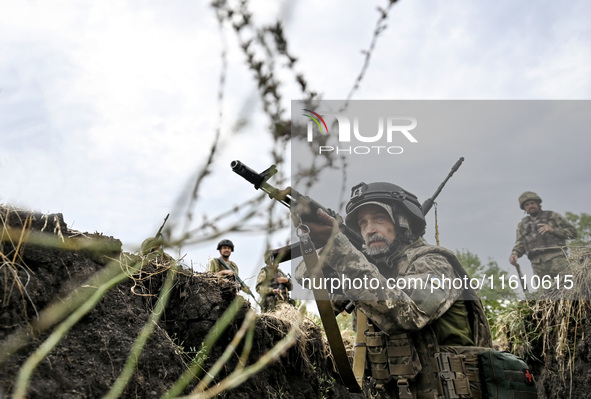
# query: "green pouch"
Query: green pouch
{"points": [[506, 376]]}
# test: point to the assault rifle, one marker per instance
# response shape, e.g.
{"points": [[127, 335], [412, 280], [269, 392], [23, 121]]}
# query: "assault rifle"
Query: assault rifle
{"points": [[239, 280], [291, 197]]}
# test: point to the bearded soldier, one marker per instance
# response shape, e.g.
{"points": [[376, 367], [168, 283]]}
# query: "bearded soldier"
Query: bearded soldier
{"points": [[413, 315], [542, 235]]}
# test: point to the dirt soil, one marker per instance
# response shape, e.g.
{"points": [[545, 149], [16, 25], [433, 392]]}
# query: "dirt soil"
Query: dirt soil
{"points": [[61, 262], [86, 363]]}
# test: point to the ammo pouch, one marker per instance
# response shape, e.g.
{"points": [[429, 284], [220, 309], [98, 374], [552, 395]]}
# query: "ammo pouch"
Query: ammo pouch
{"points": [[506, 376], [392, 357], [458, 371], [483, 373]]}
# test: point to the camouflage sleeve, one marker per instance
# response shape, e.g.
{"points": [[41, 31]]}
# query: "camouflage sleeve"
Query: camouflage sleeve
{"points": [[391, 308], [519, 248], [562, 228]]}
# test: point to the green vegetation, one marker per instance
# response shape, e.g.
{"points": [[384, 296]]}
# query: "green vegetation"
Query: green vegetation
{"points": [[583, 224], [495, 299]]}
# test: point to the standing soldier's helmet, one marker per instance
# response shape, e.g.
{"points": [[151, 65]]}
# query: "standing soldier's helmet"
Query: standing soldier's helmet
{"points": [[528, 196], [226, 243], [407, 213]]}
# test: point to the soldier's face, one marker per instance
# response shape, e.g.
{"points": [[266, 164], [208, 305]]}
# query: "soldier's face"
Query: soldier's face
{"points": [[225, 251], [531, 207], [376, 227]]}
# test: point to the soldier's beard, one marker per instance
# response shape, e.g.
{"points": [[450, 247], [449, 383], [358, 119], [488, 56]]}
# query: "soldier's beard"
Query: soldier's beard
{"points": [[379, 249], [534, 213]]}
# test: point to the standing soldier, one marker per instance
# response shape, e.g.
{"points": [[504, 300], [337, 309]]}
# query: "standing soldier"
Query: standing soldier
{"points": [[542, 235], [272, 285], [218, 267]]}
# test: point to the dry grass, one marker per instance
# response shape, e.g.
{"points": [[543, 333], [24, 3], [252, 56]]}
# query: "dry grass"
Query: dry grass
{"points": [[305, 329], [12, 243], [548, 326]]}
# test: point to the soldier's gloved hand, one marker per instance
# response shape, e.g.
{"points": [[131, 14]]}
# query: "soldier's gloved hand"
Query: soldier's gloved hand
{"points": [[320, 228], [513, 259], [323, 229]]}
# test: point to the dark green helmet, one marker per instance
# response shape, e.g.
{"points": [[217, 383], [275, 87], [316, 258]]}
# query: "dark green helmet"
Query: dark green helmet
{"points": [[528, 196], [226, 243], [405, 205]]}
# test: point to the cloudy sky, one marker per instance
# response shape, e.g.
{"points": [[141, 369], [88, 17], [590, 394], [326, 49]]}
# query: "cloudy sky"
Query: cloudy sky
{"points": [[107, 110]]}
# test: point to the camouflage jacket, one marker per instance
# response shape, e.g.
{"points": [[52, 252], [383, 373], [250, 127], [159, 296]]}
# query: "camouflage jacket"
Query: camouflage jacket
{"points": [[530, 242], [394, 309], [267, 281]]}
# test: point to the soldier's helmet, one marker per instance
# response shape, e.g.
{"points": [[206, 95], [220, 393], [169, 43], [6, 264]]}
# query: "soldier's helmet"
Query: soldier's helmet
{"points": [[528, 196], [407, 212], [226, 243]]}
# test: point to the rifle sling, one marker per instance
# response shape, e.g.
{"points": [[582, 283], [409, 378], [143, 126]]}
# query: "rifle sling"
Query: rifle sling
{"points": [[360, 348], [223, 262], [331, 328]]}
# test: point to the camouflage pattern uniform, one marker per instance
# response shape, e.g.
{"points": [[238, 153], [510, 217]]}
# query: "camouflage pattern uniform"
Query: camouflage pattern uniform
{"points": [[396, 310], [421, 321], [547, 252], [410, 324], [266, 283]]}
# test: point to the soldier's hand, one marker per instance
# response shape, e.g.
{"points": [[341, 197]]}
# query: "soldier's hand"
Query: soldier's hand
{"points": [[282, 280], [321, 226], [545, 228], [321, 231], [513, 260], [226, 272]]}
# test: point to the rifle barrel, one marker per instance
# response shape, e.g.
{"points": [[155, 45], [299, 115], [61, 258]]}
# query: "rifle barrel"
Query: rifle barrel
{"points": [[259, 180], [430, 201]]}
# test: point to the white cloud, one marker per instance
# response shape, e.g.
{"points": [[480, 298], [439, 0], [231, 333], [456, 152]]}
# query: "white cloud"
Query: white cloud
{"points": [[107, 109]]}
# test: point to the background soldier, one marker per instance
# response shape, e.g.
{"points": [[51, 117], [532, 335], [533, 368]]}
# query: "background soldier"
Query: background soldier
{"points": [[542, 236], [272, 285], [226, 247], [405, 328]]}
